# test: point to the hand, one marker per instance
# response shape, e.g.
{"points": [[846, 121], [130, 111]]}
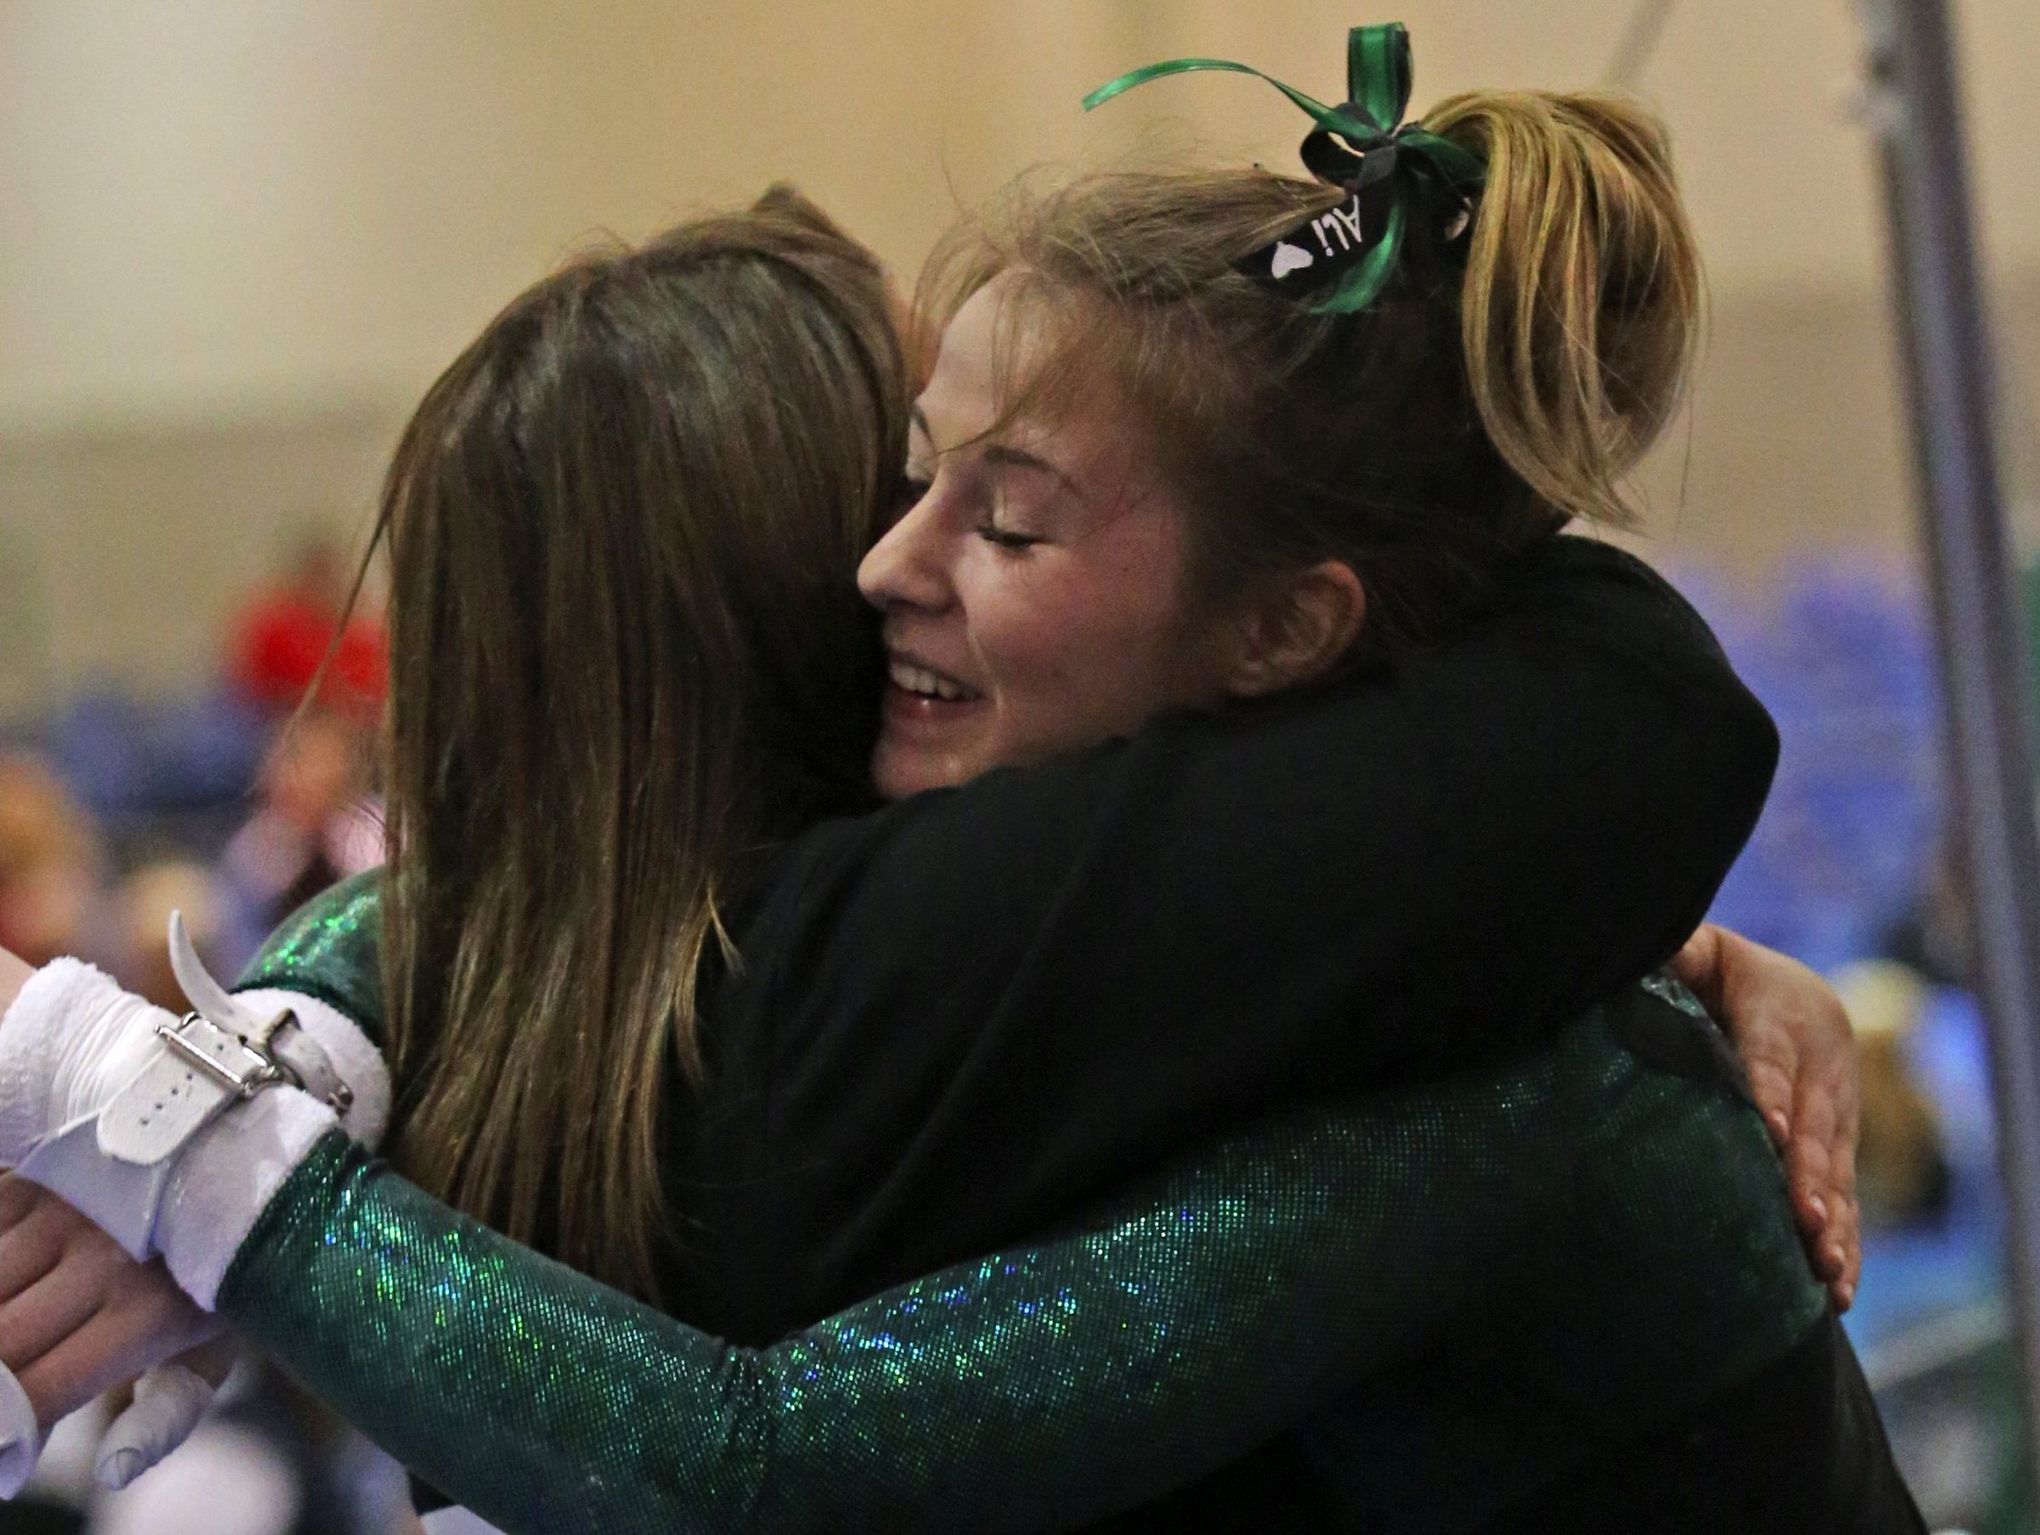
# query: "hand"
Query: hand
{"points": [[1796, 1043], [78, 1316]]}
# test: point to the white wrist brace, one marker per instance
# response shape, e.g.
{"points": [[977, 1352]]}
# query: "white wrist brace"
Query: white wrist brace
{"points": [[109, 1102]]}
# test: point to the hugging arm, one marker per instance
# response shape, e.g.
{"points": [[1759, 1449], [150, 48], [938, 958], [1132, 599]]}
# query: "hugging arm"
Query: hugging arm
{"points": [[1040, 1387], [1377, 882], [1316, 1258]]}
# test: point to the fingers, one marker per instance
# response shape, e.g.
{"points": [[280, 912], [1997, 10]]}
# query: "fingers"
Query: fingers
{"points": [[1829, 1114], [43, 1315], [1771, 1090], [1771, 1061], [168, 1403], [1811, 1156], [1810, 1161], [149, 1322], [1847, 1236], [17, 1197], [33, 1245], [1764, 1037], [1807, 1174], [1698, 966], [1848, 1226], [1821, 1167]]}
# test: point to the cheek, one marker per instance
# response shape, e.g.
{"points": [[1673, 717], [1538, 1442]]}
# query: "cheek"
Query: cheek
{"points": [[1085, 645]]}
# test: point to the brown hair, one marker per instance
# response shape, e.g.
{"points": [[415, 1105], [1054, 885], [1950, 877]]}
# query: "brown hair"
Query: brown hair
{"points": [[628, 658], [1505, 380]]}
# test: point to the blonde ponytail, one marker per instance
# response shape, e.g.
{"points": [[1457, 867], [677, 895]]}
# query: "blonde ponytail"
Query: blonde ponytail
{"points": [[1583, 291]]}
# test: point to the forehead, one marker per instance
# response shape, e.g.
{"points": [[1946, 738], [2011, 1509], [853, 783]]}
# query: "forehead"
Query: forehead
{"points": [[992, 354], [987, 346]]}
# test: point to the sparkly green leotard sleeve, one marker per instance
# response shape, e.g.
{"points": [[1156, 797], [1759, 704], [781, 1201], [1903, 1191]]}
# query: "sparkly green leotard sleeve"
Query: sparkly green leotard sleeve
{"points": [[1057, 1382], [331, 949]]}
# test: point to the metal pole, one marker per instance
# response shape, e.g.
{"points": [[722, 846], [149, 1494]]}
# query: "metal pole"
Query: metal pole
{"points": [[1945, 343]]}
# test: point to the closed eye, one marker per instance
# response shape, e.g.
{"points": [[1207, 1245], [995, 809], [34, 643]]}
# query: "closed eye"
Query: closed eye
{"points": [[1005, 538]]}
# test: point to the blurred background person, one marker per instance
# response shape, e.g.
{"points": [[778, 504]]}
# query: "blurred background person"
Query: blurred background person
{"points": [[314, 824], [50, 863]]}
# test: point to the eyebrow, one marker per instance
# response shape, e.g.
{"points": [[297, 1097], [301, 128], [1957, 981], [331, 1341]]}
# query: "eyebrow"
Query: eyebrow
{"points": [[1008, 457]]}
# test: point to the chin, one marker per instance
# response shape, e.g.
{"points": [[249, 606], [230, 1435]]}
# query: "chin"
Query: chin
{"points": [[897, 774]]}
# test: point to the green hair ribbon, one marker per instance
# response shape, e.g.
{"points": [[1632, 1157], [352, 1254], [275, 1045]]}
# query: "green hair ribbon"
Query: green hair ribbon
{"points": [[1360, 145]]}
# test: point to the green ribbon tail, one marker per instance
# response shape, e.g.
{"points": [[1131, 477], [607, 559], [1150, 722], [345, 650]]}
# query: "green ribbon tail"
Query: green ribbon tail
{"points": [[1379, 71], [1325, 117]]}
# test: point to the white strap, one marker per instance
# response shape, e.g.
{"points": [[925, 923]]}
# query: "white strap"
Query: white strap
{"points": [[354, 1056], [278, 1033], [176, 1095], [200, 989], [222, 1052]]}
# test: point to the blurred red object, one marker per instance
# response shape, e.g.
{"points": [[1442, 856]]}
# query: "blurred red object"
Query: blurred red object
{"points": [[281, 639]]}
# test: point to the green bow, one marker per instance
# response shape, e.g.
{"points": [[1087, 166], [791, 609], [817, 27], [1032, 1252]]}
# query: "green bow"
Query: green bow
{"points": [[1354, 144]]}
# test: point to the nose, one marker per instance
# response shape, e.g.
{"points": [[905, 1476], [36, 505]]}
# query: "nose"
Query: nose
{"points": [[908, 567]]}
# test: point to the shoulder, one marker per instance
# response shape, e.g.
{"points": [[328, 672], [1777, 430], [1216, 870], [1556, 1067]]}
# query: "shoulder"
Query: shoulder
{"points": [[330, 948], [1589, 587]]}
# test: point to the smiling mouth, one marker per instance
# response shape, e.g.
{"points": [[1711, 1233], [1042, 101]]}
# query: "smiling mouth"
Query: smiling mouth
{"points": [[925, 682]]}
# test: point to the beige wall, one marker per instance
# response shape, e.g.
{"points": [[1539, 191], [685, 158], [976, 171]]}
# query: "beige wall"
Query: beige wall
{"points": [[121, 550], [237, 237], [1796, 445]]}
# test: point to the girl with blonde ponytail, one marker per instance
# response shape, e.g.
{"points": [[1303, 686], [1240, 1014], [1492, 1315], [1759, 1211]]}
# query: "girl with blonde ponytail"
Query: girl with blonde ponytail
{"points": [[1269, 991]]}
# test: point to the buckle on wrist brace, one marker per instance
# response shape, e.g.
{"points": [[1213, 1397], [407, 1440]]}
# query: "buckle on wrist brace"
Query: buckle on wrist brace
{"points": [[292, 1057], [211, 1048]]}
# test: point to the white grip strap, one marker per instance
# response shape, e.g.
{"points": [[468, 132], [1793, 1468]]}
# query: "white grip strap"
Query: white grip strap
{"points": [[303, 1059], [220, 1053], [201, 1070]]}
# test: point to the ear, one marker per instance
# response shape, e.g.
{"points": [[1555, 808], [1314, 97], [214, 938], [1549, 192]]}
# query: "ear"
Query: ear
{"points": [[1292, 628]]}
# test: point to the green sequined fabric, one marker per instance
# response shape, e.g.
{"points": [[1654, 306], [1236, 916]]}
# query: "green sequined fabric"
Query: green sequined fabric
{"points": [[330, 948], [1603, 1243]]}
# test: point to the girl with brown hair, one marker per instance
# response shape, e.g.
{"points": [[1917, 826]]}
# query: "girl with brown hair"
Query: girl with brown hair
{"points": [[967, 1016]]}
